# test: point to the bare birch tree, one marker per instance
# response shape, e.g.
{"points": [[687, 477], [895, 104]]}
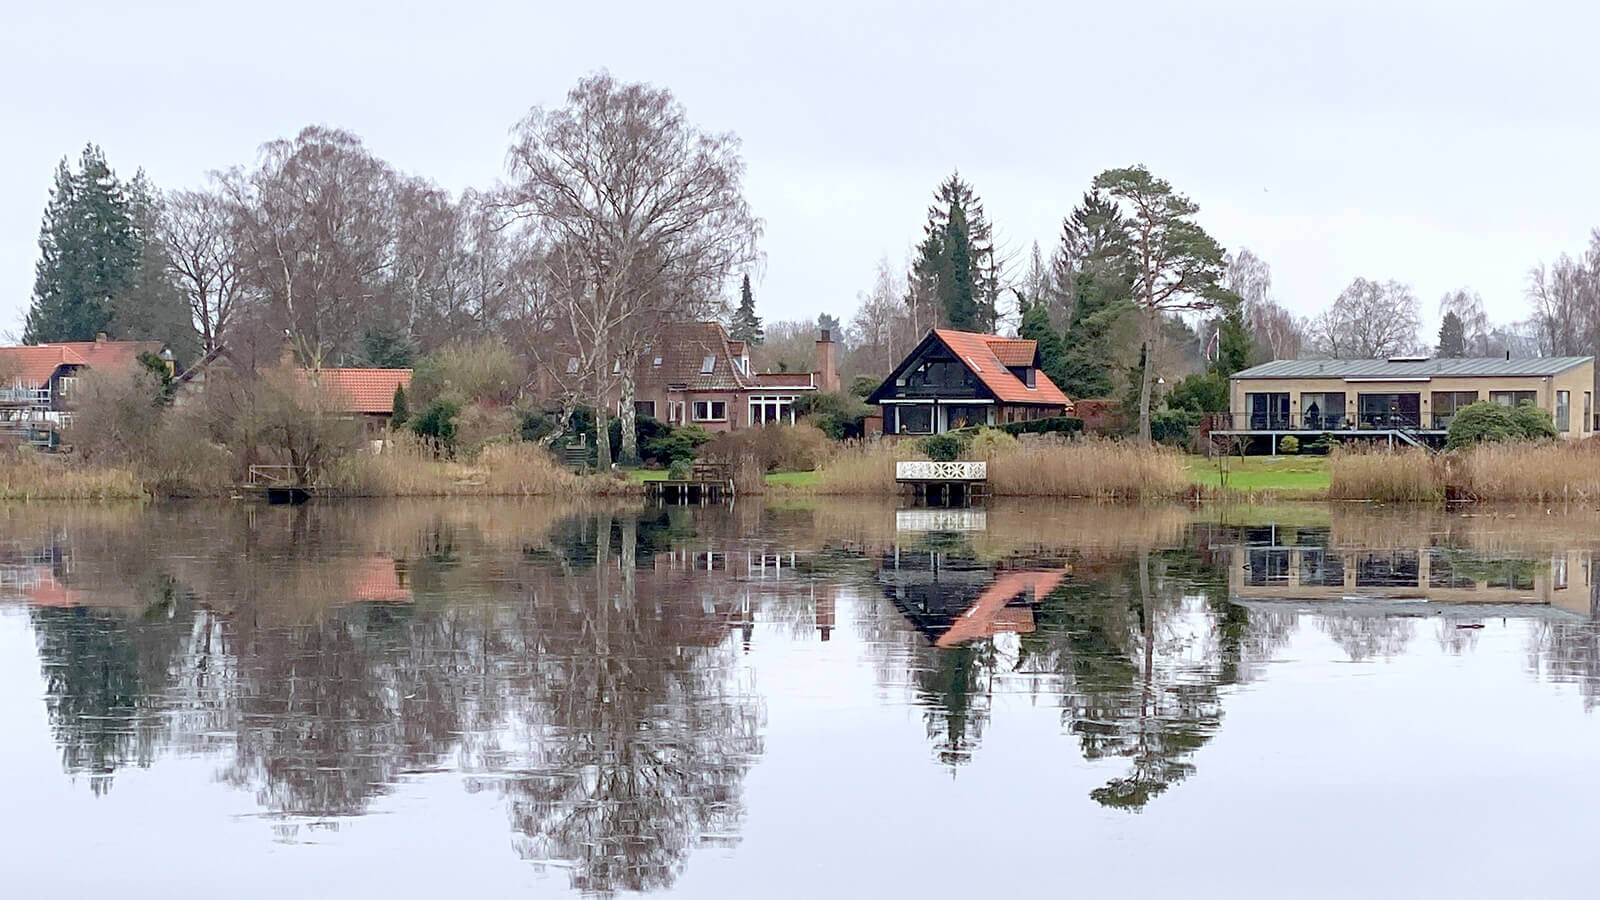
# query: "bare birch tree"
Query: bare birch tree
{"points": [[1369, 320], [197, 229], [648, 211]]}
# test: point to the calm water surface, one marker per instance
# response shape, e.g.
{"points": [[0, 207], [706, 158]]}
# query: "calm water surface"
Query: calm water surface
{"points": [[505, 699]]}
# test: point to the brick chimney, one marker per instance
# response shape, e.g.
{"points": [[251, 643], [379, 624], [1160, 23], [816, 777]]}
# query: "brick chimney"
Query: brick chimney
{"points": [[826, 373], [100, 337]]}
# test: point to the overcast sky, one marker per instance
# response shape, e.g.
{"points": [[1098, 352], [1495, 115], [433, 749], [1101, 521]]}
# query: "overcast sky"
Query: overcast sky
{"points": [[1437, 144]]}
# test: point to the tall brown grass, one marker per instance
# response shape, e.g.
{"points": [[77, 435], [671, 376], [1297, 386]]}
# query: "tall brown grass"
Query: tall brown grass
{"points": [[26, 475], [1536, 473], [407, 467], [1409, 475], [1092, 468]]}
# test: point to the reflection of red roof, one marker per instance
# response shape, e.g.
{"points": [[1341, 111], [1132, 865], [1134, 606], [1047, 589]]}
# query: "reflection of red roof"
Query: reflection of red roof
{"points": [[982, 353], [989, 614], [31, 367], [47, 591], [375, 580], [365, 390]]}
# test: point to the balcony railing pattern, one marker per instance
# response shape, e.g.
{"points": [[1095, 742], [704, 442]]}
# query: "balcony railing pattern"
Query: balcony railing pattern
{"points": [[1386, 422]]}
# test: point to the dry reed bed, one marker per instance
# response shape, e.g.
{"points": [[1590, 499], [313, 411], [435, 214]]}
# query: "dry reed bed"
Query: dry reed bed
{"points": [[409, 469], [24, 476], [1512, 472], [1089, 468]]}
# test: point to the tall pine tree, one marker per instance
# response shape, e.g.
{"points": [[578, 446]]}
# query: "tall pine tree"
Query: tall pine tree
{"points": [[955, 262], [102, 266], [746, 325], [1234, 346], [1087, 359], [88, 251]]}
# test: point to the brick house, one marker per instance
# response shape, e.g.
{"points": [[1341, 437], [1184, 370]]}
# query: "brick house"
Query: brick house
{"points": [[956, 379], [693, 373]]}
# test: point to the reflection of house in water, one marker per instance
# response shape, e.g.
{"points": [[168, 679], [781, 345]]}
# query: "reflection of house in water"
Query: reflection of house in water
{"points": [[1286, 563], [953, 599], [32, 575], [378, 579], [732, 582]]}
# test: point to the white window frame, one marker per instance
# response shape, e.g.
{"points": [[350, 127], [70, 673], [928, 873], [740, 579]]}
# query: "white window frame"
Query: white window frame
{"points": [[783, 408], [676, 412], [708, 365]]}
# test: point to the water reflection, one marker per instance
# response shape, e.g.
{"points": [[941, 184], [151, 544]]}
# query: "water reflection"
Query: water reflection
{"points": [[596, 670]]}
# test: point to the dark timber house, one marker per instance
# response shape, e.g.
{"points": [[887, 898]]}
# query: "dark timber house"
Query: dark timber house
{"points": [[956, 379]]}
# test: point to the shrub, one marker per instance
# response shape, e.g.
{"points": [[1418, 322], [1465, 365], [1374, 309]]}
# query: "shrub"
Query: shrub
{"points": [[942, 447], [438, 423], [988, 443], [483, 371], [478, 426], [1289, 445], [1487, 421], [795, 448], [672, 445], [1065, 425], [680, 470], [862, 386], [1173, 427], [840, 416]]}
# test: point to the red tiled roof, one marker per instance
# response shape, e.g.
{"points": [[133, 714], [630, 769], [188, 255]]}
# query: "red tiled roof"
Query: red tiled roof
{"points": [[31, 367], [365, 390], [979, 352], [683, 348], [990, 615], [785, 379], [111, 354], [1013, 351]]}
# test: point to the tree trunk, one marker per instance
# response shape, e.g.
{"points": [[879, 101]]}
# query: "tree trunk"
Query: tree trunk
{"points": [[629, 454], [1147, 376], [602, 428]]}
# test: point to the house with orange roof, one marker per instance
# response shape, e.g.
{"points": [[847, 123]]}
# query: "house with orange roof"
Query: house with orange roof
{"points": [[37, 380], [956, 379], [694, 373]]}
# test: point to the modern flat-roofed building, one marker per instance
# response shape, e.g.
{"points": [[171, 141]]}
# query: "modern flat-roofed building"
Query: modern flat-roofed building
{"points": [[1402, 399]]}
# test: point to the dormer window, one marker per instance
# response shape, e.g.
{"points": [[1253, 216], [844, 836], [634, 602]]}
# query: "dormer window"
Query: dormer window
{"points": [[572, 365], [708, 365]]}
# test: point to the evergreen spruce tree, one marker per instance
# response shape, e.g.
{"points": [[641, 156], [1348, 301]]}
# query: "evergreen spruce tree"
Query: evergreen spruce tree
{"points": [[1452, 337], [1036, 327], [1087, 360], [955, 262], [102, 266], [401, 411], [1233, 338], [831, 325], [746, 325], [87, 253]]}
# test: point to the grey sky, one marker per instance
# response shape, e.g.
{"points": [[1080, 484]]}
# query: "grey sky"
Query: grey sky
{"points": [[1437, 144]]}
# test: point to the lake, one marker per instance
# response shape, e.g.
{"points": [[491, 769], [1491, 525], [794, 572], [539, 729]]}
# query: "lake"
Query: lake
{"points": [[496, 698]]}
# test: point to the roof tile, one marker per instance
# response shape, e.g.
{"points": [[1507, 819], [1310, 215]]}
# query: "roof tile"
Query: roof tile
{"points": [[978, 350]]}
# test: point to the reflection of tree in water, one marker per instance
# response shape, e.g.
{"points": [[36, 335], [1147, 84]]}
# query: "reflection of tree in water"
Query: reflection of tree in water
{"points": [[641, 731], [1369, 637], [105, 676], [1568, 652]]}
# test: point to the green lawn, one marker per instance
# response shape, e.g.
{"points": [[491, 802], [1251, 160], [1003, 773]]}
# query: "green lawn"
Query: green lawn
{"points": [[791, 479], [1262, 473]]}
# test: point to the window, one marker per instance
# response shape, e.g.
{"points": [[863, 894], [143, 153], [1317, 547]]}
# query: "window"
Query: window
{"points": [[1513, 398], [765, 410], [572, 365], [708, 365], [66, 386], [710, 411], [1447, 403], [645, 409], [1325, 410], [675, 412], [1563, 411], [656, 362], [915, 419], [1588, 411]]}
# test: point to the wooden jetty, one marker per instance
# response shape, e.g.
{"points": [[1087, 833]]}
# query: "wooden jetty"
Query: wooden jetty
{"points": [[278, 484], [707, 483], [953, 483]]}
